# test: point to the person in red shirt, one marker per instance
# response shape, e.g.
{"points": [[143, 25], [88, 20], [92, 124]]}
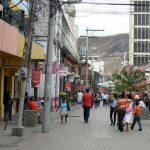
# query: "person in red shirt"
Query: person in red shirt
{"points": [[87, 103], [33, 105], [137, 112]]}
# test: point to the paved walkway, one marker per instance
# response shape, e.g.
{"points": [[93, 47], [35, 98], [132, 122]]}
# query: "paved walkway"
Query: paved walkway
{"points": [[76, 135]]}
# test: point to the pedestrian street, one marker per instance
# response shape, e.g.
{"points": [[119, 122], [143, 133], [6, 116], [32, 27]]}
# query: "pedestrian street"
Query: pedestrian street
{"points": [[77, 135]]}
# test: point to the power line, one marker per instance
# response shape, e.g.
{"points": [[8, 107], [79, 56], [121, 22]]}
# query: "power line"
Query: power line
{"points": [[99, 3], [16, 4]]}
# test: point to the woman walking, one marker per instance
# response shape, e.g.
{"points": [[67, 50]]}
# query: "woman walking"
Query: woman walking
{"points": [[113, 110], [63, 110], [129, 113]]}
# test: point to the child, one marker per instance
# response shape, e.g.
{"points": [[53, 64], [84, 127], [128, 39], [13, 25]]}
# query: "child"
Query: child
{"points": [[63, 110], [137, 111]]}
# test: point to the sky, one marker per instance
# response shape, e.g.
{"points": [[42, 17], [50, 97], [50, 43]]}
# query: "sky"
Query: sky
{"points": [[113, 19]]}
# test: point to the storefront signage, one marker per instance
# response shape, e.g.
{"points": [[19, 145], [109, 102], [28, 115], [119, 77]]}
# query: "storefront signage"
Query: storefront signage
{"points": [[36, 78], [67, 85], [63, 71]]}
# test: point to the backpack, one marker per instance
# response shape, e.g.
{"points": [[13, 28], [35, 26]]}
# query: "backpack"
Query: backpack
{"points": [[68, 107]]}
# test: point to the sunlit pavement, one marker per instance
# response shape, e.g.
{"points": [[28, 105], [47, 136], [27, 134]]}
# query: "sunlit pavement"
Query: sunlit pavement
{"points": [[76, 135]]}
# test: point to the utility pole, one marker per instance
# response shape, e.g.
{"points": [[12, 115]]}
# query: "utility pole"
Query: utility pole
{"points": [[18, 130], [86, 65], [49, 62], [87, 49]]}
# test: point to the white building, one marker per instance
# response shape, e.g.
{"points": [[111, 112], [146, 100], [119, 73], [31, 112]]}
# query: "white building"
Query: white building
{"points": [[96, 64], [139, 46]]}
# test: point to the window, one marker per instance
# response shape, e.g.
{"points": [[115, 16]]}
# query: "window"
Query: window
{"points": [[147, 6], [147, 19], [139, 6], [143, 6], [142, 47], [139, 33], [135, 60], [143, 33], [135, 19], [143, 22], [139, 47], [135, 7], [139, 19], [146, 47], [135, 47], [135, 33], [95, 58]]}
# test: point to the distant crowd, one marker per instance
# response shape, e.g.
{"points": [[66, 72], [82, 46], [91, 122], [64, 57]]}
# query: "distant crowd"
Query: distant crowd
{"points": [[125, 109]]}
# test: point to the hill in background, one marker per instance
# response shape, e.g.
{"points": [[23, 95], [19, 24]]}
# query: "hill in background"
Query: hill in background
{"points": [[110, 49]]}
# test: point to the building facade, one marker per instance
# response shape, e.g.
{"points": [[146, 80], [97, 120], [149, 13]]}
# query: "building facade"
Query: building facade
{"points": [[11, 50], [139, 44]]}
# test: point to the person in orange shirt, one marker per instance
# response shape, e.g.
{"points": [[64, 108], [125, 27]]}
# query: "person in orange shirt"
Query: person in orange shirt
{"points": [[137, 118], [32, 104], [122, 104]]}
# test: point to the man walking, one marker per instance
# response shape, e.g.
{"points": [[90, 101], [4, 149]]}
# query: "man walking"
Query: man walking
{"points": [[122, 104], [87, 103]]}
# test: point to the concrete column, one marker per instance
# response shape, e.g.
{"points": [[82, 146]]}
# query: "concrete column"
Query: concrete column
{"points": [[1, 92]]}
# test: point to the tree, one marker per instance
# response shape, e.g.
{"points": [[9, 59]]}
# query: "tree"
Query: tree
{"points": [[130, 78]]}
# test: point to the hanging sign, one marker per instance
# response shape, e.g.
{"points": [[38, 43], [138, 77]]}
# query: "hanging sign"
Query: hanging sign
{"points": [[36, 73], [67, 85]]}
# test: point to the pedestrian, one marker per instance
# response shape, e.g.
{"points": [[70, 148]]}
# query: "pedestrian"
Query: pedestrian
{"points": [[63, 110], [96, 101], [137, 112], [99, 99], [113, 109], [128, 118], [8, 102], [104, 99], [146, 100], [26, 99], [87, 103], [32, 104], [79, 97], [122, 104], [141, 103]]}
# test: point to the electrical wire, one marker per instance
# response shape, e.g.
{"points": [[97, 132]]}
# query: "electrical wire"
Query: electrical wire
{"points": [[99, 3], [16, 4]]}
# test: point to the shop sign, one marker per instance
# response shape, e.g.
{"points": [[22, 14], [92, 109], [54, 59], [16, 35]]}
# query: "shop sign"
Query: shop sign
{"points": [[71, 79], [82, 87], [67, 85], [63, 71], [36, 73]]}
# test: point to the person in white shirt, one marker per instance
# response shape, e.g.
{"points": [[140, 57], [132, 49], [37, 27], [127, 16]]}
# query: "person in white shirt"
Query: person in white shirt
{"points": [[141, 103], [79, 97]]}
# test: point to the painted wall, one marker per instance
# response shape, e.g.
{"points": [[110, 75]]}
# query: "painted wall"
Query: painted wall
{"points": [[37, 50], [8, 38]]}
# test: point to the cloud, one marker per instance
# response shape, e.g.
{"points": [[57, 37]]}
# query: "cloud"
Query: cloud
{"points": [[113, 19]]}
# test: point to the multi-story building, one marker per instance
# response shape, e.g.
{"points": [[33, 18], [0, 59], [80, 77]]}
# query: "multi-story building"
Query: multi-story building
{"points": [[65, 54], [139, 51], [12, 42]]}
